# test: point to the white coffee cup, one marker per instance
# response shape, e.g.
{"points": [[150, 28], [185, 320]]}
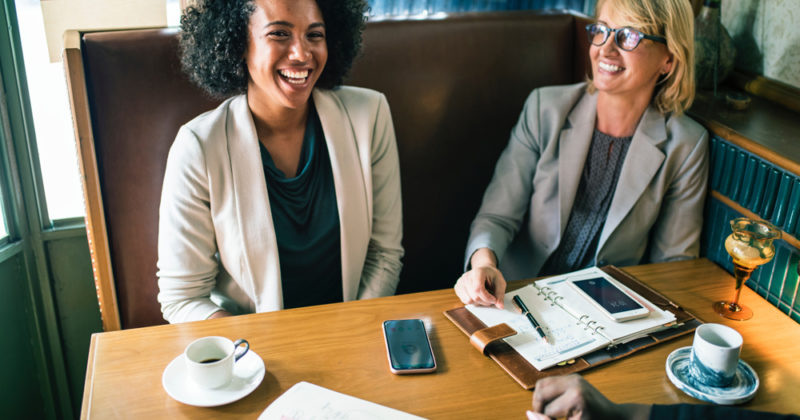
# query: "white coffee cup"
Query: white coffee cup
{"points": [[210, 360], [715, 354]]}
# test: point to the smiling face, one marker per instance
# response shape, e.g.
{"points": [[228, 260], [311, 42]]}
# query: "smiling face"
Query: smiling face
{"points": [[617, 72], [286, 52]]}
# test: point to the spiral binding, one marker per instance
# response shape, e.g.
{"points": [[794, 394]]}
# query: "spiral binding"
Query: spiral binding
{"points": [[587, 324]]}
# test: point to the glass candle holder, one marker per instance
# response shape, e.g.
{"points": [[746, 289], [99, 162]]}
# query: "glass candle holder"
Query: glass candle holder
{"points": [[750, 245]]}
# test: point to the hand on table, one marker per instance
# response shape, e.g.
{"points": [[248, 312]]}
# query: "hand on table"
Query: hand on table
{"points": [[573, 398], [220, 314], [484, 284]]}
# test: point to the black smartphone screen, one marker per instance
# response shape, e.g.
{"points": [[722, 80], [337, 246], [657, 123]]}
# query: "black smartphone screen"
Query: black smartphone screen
{"points": [[607, 295], [408, 344]]}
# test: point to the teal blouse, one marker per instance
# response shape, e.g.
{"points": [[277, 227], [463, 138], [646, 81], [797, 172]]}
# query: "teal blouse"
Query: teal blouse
{"points": [[306, 220]]}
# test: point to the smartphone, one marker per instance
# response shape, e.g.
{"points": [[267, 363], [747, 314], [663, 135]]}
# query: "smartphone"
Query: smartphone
{"points": [[613, 301], [408, 347]]}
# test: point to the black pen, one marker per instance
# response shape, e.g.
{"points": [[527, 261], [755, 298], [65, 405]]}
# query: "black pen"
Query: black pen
{"points": [[524, 309]]}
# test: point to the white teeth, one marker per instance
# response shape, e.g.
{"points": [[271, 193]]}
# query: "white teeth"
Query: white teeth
{"points": [[296, 77], [609, 67]]}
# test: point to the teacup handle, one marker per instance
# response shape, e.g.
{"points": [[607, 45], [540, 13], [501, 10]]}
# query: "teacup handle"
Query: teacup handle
{"points": [[236, 344]]}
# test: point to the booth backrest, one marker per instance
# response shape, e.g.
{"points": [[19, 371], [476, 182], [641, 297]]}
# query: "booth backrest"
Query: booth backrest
{"points": [[455, 87], [138, 98]]}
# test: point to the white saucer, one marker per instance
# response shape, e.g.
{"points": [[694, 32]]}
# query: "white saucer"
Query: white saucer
{"points": [[742, 389], [247, 375]]}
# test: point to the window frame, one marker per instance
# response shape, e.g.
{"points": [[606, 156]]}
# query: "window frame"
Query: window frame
{"points": [[27, 219], [6, 185]]}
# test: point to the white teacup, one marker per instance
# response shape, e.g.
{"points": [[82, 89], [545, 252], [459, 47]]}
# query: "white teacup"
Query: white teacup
{"points": [[210, 360], [715, 354]]}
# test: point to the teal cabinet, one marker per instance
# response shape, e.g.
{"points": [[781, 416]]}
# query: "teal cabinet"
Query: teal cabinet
{"points": [[769, 192]]}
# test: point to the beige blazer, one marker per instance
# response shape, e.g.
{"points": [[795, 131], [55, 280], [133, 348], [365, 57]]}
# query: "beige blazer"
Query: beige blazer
{"points": [[656, 213], [216, 242]]}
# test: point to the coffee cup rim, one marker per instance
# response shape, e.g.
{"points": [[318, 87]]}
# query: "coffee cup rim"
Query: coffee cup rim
{"points": [[730, 333], [229, 350]]}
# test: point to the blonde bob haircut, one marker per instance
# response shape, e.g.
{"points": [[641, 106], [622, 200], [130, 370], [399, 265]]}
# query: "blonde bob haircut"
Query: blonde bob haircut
{"points": [[672, 19]]}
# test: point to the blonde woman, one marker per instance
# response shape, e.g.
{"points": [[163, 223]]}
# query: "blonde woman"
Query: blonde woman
{"points": [[610, 171]]}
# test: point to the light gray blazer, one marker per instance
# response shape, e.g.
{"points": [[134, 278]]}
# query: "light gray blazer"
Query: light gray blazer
{"points": [[215, 227], [656, 213]]}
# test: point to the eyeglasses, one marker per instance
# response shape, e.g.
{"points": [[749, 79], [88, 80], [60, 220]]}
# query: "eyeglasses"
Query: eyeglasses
{"points": [[626, 38]]}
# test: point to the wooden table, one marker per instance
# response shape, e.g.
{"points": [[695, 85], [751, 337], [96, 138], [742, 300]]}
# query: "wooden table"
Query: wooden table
{"points": [[340, 346]]}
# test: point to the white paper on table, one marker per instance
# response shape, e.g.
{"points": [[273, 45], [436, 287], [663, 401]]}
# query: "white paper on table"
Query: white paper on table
{"points": [[306, 401]]}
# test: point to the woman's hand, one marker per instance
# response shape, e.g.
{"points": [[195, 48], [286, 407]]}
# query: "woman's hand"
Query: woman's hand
{"points": [[484, 284], [220, 314], [573, 398]]}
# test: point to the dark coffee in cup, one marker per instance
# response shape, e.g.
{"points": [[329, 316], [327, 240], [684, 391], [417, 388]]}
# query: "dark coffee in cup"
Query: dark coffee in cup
{"points": [[210, 360]]}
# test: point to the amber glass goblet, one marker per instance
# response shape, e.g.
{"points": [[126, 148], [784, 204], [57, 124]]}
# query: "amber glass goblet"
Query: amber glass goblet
{"points": [[750, 245]]}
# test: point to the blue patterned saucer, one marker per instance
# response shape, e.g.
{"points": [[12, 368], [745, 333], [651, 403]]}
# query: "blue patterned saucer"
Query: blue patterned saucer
{"points": [[742, 389]]}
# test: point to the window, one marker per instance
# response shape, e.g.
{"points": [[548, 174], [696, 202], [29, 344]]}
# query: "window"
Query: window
{"points": [[394, 9], [52, 120], [173, 13], [3, 228]]}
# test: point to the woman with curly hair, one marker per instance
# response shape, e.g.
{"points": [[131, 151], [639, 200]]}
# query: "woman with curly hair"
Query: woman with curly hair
{"points": [[288, 193]]}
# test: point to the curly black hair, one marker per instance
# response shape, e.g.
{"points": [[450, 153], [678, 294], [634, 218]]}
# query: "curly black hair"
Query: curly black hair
{"points": [[213, 41]]}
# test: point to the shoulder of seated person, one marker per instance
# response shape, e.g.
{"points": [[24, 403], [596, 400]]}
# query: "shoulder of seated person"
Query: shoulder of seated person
{"points": [[558, 96], [352, 95], [562, 90], [205, 121], [684, 128]]}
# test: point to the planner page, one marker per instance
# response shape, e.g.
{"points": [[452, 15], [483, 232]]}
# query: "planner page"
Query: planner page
{"points": [[566, 339]]}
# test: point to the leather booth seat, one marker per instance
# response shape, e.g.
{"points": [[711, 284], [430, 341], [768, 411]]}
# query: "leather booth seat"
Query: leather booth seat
{"points": [[455, 87]]}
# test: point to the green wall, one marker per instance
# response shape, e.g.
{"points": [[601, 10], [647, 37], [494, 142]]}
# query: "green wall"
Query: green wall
{"points": [[28, 388], [21, 383], [75, 299]]}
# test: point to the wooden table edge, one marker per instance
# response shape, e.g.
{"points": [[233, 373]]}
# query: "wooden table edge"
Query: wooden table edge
{"points": [[88, 384]]}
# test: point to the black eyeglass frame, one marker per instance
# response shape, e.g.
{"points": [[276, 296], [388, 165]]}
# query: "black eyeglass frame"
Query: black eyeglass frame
{"points": [[617, 32]]}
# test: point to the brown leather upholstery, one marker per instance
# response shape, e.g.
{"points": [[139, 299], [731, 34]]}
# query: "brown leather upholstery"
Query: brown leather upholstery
{"points": [[455, 87], [138, 99]]}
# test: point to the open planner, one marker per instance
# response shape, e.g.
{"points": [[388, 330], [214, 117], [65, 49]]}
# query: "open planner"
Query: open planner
{"points": [[579, 335]]}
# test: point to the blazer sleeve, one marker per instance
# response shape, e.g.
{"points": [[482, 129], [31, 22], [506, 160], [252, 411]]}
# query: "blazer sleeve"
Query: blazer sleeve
{"points": [[676, 232], [508, 195], [187, 262], [382, 266]]}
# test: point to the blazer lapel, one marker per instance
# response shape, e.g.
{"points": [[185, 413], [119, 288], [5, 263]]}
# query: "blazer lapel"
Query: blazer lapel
{"points": [[260, 249], [574, 142], [643, 160], [351, 191]]}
